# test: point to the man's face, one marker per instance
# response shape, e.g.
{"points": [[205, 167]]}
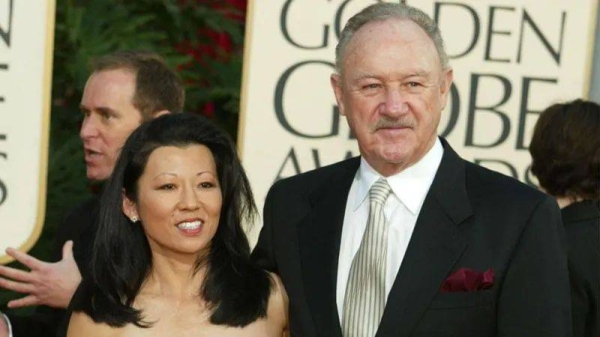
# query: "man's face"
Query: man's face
{"points": [[109, 117], [392, 90]]}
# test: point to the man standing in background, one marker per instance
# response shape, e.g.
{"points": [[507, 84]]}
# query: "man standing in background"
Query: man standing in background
{"points": [[124, 90]]}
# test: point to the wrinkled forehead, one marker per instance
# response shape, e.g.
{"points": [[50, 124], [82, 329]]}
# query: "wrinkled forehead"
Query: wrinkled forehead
{"points": [[390, 37]]}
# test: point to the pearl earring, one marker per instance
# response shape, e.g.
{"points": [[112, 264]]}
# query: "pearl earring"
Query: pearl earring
{"points": [[134, 219]]}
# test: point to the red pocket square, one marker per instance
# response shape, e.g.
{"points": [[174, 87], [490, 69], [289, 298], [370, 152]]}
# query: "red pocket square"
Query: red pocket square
{"points": [[465, 279]]}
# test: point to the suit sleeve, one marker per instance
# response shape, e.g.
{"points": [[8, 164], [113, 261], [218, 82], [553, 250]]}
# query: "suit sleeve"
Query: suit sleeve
{"points": [[43, 323], [263, 253], [580, 302], [584, 271], [534, 300]]}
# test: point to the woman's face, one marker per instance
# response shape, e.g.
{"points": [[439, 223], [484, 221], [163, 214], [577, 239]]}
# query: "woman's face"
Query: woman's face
{"points": [[179, 200]]}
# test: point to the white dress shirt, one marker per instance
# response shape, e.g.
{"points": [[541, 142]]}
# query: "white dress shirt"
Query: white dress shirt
{"points": [[401, 210]]}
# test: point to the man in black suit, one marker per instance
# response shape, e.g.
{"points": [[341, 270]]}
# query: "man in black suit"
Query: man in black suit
{"points": [[124, 89], [410, 239]]}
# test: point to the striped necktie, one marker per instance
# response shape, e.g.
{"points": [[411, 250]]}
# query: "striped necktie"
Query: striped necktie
{"points": [[365, 298]]}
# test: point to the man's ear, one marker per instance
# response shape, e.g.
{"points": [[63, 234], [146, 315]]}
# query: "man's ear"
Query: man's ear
{"points": [[445, 85], [160, 113], [338, 91], [129, 208]]}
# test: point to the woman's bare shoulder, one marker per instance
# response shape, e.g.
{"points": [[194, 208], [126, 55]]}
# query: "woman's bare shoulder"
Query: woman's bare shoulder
{"points": [[81, 324], [278, 302]]}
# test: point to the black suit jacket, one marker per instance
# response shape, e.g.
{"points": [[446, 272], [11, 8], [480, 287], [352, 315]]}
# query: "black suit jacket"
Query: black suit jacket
{"points": [[471, 217], [582, 225], [79, 226]]}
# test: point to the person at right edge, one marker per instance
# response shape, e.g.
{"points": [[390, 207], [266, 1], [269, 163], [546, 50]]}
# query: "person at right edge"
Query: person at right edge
{"points": [[409, 239], [565, 149]]}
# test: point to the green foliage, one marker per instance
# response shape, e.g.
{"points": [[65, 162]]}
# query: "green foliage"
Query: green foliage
{"points": [[87, 29], [90, 28]]}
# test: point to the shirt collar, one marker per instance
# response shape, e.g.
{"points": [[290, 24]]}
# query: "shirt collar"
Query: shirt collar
{"points": [[410, 186]]}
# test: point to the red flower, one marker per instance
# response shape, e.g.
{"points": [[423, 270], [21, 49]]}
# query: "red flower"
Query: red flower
{"points": [[209, 110], [214, 44]]}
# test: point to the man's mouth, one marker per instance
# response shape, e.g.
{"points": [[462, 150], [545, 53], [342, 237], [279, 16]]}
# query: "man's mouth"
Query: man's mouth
{"points": [[91, 154]]}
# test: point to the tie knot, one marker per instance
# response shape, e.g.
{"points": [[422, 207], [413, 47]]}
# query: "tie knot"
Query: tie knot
{"points": [[380, 191]]}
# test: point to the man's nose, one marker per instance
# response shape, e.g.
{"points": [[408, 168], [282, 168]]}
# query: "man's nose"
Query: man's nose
{"points": [[89, 127], [395, 103]]}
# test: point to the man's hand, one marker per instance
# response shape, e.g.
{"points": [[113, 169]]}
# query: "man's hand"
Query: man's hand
{"points": [[51, 284]]}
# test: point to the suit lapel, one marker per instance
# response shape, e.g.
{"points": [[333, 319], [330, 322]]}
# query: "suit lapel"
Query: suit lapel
{"points": [[435, 246], [319, 237]]}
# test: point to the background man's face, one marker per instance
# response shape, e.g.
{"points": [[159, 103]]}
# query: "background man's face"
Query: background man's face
{"points": [[392, 90], [109, 118]]}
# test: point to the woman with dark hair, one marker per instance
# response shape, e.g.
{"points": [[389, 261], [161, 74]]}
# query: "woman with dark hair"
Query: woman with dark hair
{"points": [[566, 160], [170, 257]]}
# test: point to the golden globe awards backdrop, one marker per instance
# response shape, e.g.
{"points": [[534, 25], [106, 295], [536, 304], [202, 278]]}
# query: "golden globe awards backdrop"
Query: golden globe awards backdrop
{"points": [[26, 46], [511, 59]]}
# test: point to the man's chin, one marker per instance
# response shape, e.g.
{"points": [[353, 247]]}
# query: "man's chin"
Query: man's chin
{"points": [[94, 176], [392, 159], [396, 154]]}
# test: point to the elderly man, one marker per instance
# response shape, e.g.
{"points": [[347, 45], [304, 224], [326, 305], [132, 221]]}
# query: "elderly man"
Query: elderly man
{"points": [[409, 239], [124, 89]]}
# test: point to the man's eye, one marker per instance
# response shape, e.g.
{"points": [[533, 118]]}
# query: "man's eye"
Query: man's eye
{"points": [[413, 84], [372, 86], [106, 116]]}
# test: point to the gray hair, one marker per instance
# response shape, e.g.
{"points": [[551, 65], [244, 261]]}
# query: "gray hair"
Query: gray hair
{"points": [[381, 12]]}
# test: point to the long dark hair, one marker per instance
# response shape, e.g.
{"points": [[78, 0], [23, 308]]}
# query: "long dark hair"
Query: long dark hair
{"points": [[236, 290]]}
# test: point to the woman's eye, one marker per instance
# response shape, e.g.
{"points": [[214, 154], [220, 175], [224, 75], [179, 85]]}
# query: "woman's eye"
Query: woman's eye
{"points": [[206, 185], [167, 187]]}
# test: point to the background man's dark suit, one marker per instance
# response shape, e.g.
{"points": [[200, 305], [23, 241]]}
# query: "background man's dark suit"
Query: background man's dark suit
{"points": [[78, 226], [582, 226], [471, 217]]}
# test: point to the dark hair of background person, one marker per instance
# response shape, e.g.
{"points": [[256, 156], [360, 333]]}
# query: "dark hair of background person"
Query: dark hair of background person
{"points": [[565, 149], [235, 288], [157, 87]]}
